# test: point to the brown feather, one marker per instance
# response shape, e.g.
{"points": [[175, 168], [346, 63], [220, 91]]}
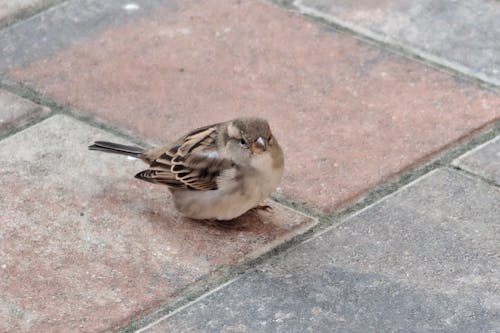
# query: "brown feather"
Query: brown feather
{"points": [[185, 164]]}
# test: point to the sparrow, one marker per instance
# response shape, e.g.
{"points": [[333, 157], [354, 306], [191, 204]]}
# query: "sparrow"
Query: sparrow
{"points": [[216, 172]]}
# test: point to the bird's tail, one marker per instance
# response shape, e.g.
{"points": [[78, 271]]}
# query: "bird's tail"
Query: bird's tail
{"points": [[117, 148]]}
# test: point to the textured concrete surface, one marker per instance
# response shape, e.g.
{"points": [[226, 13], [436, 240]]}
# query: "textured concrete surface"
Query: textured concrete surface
{"points": [[356, 114], [85, 247], [15, 110], [58, 28], [483, 161], [426, 259], [10, 10], [465, 33]]}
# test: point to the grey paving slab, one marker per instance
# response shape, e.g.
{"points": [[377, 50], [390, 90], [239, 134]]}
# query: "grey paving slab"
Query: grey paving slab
{"points": [[10, 10], [459, 34], [426, 259], [483, 161], [85, 247], [15, 110], [42, 35]]}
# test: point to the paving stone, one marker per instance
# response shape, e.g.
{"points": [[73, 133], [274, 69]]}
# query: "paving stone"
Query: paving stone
{"points": [[10, 10], [426, 259], [461, 34], [85, 247], [484, 160], [15, 110], [43, 35], [349, 115]]}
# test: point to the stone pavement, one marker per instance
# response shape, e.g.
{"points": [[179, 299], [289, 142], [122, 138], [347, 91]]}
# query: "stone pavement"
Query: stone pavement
{"points": [[425, 259], [388, 215]]}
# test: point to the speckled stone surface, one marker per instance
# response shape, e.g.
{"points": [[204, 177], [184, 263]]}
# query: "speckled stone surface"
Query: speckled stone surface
{"points": [[57, 28], [349, 115], [426, 259], [483, 161], [461, 34], [15, 111], [85, 247]]}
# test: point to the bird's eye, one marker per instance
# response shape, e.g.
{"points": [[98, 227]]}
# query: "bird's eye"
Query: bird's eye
{"points": [[269, 138], [244, 143]]}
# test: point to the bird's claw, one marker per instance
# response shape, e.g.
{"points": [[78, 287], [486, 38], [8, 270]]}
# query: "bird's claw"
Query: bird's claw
{"points": [[266, 208]]}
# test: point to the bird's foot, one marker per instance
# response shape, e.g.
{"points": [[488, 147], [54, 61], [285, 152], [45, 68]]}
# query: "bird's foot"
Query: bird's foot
{"points": [[266, 208]]}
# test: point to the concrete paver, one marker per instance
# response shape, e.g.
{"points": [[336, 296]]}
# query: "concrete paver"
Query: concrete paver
{"points": [[425, 259], [50, 31], [85, 247], [356, 115], [483, 161], [15, 110], [460, 34]]}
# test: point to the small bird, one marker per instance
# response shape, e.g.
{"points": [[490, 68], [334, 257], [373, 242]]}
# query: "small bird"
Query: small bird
{"points": [[216, 172]]}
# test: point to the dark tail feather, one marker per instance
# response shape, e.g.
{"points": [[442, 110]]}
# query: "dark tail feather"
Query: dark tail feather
{"points": [[116, 148]]}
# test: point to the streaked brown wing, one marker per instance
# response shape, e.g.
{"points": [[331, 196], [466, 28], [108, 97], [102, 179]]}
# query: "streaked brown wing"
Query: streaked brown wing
{"points": [[193, 164]]}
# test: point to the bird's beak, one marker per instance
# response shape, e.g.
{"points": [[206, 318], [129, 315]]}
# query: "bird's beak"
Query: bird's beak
{"points": [[259, 146]]}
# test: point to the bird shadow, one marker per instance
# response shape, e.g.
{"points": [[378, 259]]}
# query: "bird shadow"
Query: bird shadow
{"points": [[251, 221], [159, 209]]}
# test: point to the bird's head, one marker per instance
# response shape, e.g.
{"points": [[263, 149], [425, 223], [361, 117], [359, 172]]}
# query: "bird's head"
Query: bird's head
{"points": [[252, 135]]}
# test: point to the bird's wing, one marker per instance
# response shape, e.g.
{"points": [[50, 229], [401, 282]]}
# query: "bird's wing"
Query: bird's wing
{"points": [[192, 163]]}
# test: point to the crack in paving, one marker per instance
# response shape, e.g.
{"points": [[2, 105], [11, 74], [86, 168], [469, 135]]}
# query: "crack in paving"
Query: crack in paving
{"points": [[474, 175], [27, 12]]}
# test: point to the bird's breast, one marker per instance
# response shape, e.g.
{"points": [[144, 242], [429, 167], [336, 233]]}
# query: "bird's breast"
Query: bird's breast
{"points": [[238, 192], [266, 176]]}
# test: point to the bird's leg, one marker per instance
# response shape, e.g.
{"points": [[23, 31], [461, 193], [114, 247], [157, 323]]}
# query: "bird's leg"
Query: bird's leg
{"points": [[266, 208]]}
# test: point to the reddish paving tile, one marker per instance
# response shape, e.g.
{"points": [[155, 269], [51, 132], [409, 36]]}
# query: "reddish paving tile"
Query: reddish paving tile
{"points": [[85, 247], [349, 115], [15, 110]]}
